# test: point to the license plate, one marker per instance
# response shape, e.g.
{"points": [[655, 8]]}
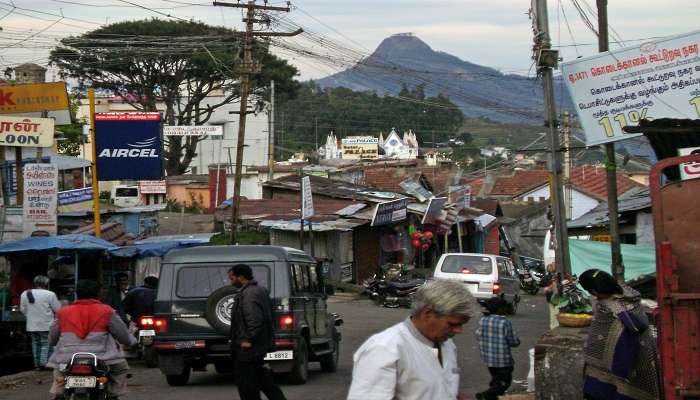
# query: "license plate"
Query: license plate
{"points": [[150, 332], [280, 355], [81, 382], [527, 279]]}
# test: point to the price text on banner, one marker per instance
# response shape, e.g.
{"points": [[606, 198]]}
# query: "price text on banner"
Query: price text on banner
{"points": [[657, 79]]}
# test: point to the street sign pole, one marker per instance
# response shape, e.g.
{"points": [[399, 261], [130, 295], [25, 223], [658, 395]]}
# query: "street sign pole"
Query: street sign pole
{"points": [[95, 183]]}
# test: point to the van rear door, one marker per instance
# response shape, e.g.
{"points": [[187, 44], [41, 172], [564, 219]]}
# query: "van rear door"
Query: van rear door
{"points": [[476, 271]]}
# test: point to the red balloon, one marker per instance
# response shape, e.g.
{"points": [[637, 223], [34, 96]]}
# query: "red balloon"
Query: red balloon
{"points": [[425, 246], [416, 235], [416, 243], [428, 235]]}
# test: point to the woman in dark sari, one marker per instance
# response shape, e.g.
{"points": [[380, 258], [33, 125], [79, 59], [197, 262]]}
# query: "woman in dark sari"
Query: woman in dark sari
{"points": [[621, 355]]}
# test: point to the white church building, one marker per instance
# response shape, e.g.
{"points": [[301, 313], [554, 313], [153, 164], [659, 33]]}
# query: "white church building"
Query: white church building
{"points": [[394, 146]]}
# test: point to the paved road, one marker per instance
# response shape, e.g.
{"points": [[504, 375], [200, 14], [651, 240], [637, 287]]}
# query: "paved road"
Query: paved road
{"points": [[362, 319]]}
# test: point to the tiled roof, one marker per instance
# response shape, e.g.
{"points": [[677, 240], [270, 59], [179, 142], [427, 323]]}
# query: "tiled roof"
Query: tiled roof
{"points": [[586, 178], [519, 182], [284, 209]]}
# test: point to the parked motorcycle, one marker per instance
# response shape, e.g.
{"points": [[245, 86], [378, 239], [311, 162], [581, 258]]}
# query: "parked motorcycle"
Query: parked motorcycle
{"points": [[392, 294], [527, 281], [85, 378], [146, 334]]}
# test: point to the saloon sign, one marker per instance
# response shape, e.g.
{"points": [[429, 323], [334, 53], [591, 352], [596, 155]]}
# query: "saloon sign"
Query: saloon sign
{"points": [[26, 132]]}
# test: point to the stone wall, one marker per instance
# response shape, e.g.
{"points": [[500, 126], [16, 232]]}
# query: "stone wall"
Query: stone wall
{"points": [[559, 364]]}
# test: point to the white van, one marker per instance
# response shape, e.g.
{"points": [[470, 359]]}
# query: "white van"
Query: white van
{"points": [[125, 196], [485, 275]]}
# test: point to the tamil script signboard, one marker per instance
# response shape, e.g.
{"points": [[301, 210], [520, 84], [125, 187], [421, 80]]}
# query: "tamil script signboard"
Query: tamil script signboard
{"points": [[307, 198], [656, 79], [30, 100], [185, 130], [128, 146], [26, 132], [40, 191], [153, 187], [390, 212], [360, 147], [75, 200]]}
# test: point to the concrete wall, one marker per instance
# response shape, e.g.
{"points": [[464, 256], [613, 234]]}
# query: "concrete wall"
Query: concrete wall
{"points": [[581, 203], [644, 228], [528, 233], [252, 184], [183, 194]]}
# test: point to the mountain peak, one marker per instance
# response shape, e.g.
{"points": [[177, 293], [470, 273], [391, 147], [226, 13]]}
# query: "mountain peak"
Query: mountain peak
{"points": [[402, 45]]}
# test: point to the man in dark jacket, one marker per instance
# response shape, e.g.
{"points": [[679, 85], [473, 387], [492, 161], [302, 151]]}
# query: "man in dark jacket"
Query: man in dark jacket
{"points": [[251, 336], [140, 301]]}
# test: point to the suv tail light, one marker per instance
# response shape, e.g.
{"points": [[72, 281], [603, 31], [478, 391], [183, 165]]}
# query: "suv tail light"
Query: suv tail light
{"points": [[81, 369], [496, 288], [157, 324], [285, 343], [286, 322]]}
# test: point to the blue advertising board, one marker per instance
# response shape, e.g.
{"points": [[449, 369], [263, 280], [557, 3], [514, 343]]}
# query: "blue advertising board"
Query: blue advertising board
{"points": [[128, 146]]}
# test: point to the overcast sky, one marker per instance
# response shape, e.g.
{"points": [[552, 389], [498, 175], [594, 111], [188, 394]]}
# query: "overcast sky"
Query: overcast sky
{"points": [[495, 33]]}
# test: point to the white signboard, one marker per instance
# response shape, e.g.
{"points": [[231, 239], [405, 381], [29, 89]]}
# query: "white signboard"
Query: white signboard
{"points": [[360, 147], [689, 170], [187, 130], [40, 193], [656, 79], [153, 187], [307, 199], [460, 196], [26, 132]]}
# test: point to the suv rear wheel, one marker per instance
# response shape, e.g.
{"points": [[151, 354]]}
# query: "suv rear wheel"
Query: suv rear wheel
{"points": [[329, 362], [300, 371], [179, 379]]}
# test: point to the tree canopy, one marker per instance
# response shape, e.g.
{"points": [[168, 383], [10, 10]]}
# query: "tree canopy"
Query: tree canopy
{"points": [[189, 67], [350, 113]]}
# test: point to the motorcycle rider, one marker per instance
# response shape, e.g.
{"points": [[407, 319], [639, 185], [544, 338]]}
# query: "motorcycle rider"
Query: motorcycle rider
{"points": [[89, 326]]}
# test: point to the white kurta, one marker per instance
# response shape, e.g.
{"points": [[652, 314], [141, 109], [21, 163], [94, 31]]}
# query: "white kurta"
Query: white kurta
{"points": [[401, 364]]}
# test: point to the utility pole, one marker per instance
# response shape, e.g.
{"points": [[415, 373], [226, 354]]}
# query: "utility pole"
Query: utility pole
{"points": [[566, 134], [547, 59], [271, 136], [248, 68], [618, 268]]}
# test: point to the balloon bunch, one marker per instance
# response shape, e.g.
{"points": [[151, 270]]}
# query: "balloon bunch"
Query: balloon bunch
{"points": [[421, 240]]}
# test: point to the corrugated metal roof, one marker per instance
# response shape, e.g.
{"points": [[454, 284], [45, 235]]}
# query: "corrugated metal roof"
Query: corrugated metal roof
{"points": [[633, 200], [344, 225]]}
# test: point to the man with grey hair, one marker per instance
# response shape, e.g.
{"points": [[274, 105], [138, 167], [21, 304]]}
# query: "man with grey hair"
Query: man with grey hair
{"points": [[416, 359], [39, 306]]}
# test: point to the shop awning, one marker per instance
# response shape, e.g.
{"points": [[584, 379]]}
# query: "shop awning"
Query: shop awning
{"points": [[153, 249], [62, 242]]}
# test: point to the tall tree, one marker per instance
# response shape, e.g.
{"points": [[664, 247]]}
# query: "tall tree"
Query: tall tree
{"points": [[187, 68]]}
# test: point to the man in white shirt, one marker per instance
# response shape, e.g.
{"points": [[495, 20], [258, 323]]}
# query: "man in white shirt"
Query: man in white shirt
{"points": [[416, 359], [39, 306]]}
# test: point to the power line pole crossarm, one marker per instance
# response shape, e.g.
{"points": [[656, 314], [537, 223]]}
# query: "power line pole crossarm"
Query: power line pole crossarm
{"points": [[247, 69]]}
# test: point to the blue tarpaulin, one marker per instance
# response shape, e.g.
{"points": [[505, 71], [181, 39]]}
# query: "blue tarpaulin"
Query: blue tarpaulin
{"points": [[62, 242], [153, 249]]}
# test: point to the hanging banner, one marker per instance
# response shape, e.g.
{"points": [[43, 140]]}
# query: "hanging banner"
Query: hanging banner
{"points": [[656, 79], [128, 146], [75, 200], [390, 212], [26, 132], [307, 198], [413, 187], [187, 130], [40, 192], [434, 210], [460, 196]]}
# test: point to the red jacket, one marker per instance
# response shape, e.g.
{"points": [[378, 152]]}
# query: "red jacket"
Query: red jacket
{"points": [[85, 316]]}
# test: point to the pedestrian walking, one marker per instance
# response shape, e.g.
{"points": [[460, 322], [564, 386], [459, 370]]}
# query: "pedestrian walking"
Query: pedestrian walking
{"points": [[621, 358], [116, 294], [496, 336], [416, 359], [251, 336], [39, 306]]}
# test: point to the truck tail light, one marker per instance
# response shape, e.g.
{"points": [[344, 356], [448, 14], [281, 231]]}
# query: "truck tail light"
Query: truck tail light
{"points": [[150, 322], [286, 322], [496, 288]]}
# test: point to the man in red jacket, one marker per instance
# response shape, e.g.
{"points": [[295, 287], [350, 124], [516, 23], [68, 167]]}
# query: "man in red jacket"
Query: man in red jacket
{"points": [[90, 326]]}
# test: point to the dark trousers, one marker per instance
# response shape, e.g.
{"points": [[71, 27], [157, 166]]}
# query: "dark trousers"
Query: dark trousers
{"points": [[253, 377], [501, 378]]}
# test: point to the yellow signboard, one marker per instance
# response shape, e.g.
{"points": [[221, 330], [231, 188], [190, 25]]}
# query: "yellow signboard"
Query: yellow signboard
{"points": [[360, 148], [34, 97]]}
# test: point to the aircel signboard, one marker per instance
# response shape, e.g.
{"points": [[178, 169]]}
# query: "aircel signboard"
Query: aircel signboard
{"points": [[26, 132], [128, 146], [656, 79]]}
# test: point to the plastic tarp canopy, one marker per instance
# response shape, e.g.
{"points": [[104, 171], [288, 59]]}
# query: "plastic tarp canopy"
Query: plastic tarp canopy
{"points": [[62, 242], [153, 249], [585, 254]]}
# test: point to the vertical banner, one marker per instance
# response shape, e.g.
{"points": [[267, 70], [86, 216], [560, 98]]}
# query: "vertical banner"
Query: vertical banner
{"points": [[128, 146], [307, 199], [40, 193]]}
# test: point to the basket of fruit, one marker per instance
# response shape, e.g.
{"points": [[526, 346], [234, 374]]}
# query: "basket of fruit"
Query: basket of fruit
{"points": [[574, 320]]}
